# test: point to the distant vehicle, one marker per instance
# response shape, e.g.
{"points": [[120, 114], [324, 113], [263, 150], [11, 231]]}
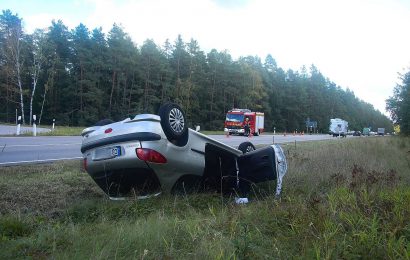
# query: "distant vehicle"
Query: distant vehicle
{"points": [[380, 131], [357, 133], [149, 154], [236, 120], [366, 131], [338, 127]]}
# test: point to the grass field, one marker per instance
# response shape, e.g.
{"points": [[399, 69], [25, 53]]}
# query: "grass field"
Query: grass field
{"points": [[343, 199], [64, 131], [58, 131], [76, 131]]}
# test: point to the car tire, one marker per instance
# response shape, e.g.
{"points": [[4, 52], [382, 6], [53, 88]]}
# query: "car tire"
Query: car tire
{"points": [[173, 122], [104, 122], [246, 147]]}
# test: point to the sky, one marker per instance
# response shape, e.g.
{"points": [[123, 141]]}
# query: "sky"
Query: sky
{"points": [[362, 45]]}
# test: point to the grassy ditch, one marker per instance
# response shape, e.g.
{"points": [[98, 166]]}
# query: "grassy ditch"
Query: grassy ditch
{"points": [[64, 131], [58, 131], [341, 199]]}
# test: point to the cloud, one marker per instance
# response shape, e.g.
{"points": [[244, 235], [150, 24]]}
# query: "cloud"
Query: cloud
{"points": [[357, 44], [231, 4]]}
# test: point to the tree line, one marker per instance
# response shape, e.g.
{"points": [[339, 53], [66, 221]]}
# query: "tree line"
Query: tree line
{"points": [[81, 76], [399, 104]]}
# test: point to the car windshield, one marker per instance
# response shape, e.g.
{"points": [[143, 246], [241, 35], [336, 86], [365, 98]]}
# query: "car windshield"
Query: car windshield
{"points": [[234, 117]]}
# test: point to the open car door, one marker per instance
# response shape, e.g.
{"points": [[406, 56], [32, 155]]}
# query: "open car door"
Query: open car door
{"points": [[227, 172], [265, 164]]}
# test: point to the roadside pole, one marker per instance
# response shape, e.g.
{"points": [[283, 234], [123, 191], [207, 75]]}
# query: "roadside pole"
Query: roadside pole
{"points": [[274, 133], [54, 122], [34, 125], [18, 125]]}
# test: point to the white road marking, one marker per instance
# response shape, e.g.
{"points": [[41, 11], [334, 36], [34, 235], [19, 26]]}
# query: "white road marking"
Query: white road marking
{"points": [[39, 161]]}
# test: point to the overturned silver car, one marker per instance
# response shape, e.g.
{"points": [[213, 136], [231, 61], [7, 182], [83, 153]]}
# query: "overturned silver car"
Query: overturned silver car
{"points": [[149, 154]]}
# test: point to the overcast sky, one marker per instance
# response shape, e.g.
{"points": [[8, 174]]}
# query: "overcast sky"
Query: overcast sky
{"points": [[358, 44]]}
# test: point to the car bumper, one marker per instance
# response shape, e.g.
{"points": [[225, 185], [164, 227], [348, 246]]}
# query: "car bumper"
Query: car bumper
{"points": [[235, 131]]}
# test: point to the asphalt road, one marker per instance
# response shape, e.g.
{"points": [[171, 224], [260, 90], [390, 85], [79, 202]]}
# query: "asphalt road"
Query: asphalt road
{"points": [[42, 149], [23, 150]]}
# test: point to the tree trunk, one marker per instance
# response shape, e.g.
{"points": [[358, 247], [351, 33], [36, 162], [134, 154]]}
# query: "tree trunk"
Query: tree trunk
{"points": [[212, 96], [124, 93], [8, 96], [191, 71], [146, 87], [48, 86], [35, 76], [178, 78], [31, 99], [42, 105], [21, 92], [130, 94], [224, 99], [112, 90], [162, 88], [81, 87]]}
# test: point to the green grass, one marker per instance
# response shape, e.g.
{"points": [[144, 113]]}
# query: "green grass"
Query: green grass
{"points": [[58, 131], [341, 199], [209, 132], [64, 131], [76, 131]]}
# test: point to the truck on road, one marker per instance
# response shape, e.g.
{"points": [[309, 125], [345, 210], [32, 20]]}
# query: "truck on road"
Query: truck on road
{"points": [[237, 120], [338, 127], [380, 131]]}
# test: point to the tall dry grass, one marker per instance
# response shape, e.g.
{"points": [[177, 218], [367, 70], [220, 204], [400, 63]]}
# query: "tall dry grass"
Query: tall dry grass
{"points": [[342, 199]]}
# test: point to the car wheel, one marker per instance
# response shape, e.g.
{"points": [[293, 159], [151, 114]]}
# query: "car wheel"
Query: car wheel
{"points": [[104, 122], [173, 122], [246, 147]]}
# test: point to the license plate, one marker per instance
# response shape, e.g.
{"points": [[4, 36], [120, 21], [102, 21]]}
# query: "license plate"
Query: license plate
{"points": [[107, 153]]}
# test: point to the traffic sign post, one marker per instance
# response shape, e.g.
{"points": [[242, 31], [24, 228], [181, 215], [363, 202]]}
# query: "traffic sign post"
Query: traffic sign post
{"points": [[312, 125]]}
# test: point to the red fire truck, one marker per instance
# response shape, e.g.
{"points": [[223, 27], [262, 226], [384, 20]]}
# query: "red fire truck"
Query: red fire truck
{"points": [[236, 120]]}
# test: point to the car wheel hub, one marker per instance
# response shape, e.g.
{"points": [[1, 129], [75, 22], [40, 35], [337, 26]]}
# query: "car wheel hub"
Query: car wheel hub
{"points": [[249, 149], [176, 120]]}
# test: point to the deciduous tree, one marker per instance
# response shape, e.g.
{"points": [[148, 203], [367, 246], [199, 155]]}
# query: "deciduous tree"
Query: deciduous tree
{"points": [[399, 104], [12, 38]]}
